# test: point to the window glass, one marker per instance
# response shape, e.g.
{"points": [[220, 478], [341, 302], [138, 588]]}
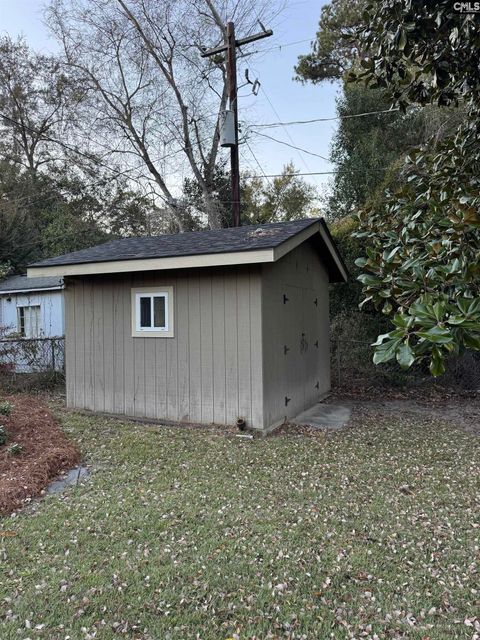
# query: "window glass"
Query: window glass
{"points": [[159, 311], [145, 312], [29, 321], [21, 321]]}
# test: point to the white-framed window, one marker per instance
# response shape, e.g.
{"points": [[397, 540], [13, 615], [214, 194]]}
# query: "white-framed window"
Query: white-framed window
{"points": [[28, 321], [152, 312]]}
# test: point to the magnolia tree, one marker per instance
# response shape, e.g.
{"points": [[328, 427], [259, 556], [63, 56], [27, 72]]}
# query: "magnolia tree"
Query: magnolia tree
{"points": [[422, 249]]}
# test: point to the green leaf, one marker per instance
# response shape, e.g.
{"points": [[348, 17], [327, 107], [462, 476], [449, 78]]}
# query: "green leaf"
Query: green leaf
{"points": [[439, 310], [364, 301], [361, 262], [381, 339], [385, 352], [437, 364], [472, 341], [436, 334], [405, 357], [368, 280], [402, 321]]}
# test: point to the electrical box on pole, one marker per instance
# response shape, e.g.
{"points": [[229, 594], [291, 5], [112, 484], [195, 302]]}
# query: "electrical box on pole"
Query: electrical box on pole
{"points": [[227, 128]]}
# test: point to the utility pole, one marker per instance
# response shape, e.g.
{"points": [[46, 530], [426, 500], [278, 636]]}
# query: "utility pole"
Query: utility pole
{"points": [[230, 49], [233, 103]]}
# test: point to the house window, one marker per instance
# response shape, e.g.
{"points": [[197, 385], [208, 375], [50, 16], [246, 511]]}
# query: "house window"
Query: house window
{"points": [[152, 312], [28, 321]]}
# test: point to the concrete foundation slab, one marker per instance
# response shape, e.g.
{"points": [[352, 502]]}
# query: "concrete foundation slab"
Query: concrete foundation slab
{"points": [[324, 416]]}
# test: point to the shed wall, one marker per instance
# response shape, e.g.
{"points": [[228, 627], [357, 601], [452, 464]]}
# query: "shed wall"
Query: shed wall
{"points": [[210, 371], [296, 334]]}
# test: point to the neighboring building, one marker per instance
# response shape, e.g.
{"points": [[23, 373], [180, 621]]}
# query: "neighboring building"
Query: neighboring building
{"points": [[205, 326], [33, 308]]}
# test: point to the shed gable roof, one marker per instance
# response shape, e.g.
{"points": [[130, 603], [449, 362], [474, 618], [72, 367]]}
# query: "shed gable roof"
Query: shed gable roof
{"points": [[236, 245]]}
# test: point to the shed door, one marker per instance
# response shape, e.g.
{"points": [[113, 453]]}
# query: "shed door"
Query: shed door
{"points": [[294, 348], [310, 356], [300, 345]]}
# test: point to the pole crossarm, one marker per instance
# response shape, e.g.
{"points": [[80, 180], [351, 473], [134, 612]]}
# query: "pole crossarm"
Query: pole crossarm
{"points": [[238, 43]]}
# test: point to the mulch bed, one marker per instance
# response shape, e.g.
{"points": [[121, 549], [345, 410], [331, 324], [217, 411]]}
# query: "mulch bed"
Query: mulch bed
{"points": [[46, 452]]}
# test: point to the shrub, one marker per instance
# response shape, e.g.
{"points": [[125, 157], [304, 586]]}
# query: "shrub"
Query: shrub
{"points": [[3, 435], [5, 408], [15, 449]]}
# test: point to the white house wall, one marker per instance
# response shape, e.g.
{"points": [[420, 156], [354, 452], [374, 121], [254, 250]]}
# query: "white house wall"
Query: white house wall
{"points": [[51, 311], [52, 325]]}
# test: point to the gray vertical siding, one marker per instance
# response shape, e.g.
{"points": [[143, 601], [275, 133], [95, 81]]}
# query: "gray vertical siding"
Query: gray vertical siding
{"points": [[210, 371], [227, 357], [302, 278]]}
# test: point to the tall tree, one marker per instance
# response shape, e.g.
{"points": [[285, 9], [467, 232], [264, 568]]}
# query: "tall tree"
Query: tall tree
{"points": [[37, 105], [332, 54], [149, 88], [57, 194], [367, 149], [286, 197], [64, 210]]}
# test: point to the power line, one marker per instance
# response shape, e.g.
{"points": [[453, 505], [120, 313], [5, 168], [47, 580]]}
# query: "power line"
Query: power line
{"points": [[256, 160], [308, 173], [286, 130], [310, 153], [281, 46], [353, 115]]}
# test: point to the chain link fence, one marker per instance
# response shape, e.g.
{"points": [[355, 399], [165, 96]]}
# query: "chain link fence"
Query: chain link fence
{"points": [[29, 363], [352, 367]]}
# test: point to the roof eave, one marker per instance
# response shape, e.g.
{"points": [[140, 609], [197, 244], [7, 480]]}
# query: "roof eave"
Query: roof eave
{"points": [[155, 264], [338, 272], [334, 252], [37, 290]]}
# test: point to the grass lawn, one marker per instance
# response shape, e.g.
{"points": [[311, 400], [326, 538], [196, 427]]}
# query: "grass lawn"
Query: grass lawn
{"points": [[371, 532]]}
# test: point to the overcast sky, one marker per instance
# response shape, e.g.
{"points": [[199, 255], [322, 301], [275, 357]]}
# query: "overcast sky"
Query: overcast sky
{"points": [[280, 97]]}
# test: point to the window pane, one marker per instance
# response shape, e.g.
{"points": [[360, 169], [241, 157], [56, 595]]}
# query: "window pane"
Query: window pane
{"points": [[21, 321], [159, 311], [35, 322], [145, 312]]}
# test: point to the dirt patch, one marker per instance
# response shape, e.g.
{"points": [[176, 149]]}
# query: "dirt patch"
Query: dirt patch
{"points": [[458, 409], [45, 452]]}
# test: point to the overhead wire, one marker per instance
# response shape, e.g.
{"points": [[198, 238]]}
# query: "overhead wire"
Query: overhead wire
{"points": [[308, 173], [256, 160], [284, 128], [314, 120], [310, 153], [281, 46]]}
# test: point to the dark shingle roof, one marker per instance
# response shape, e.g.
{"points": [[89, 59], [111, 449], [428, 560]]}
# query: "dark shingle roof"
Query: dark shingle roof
{"points": [[248, 238], [22, 283]]}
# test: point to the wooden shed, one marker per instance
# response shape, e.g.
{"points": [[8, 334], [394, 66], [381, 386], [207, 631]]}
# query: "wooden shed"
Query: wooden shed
{"points": [[202, 327]]}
